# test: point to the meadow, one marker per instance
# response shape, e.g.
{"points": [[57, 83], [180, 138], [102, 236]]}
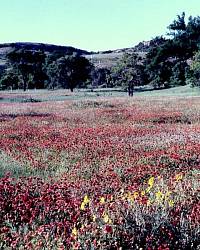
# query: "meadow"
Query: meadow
{"points": [[90, 171]]}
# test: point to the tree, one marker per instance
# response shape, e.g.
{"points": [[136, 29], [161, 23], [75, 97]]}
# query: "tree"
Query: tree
{"points": [[195, 68], [52, 73], [28, 64], [73, 71], [178, 27], [179, 71], [38, 72], [100, 76], [9, 80], [167, 63], [129, 71]]}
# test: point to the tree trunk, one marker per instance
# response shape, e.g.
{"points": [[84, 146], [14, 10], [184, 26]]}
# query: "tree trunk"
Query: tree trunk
{"points": [[24, 84]]}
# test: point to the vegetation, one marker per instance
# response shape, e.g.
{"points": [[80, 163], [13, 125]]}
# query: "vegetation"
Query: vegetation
{"points": [[68, 71], [194, 77], [167, 64], [101, 173], [129, 72], [27, 66], [101, 77]]}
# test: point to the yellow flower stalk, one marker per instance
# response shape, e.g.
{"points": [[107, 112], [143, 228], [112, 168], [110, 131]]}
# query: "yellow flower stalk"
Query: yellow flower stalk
{"points": [[135, 195], [159, 196], [74, 231], [82, 206], [86, 199], [85, 202], [106, 218], [179, 177], [151, 181], [171, 203], [102, 200]]}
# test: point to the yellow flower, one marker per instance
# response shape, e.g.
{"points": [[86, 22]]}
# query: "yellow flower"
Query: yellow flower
{"points": [[179, 177], [85, 202], [135, 195], [74, 231], [106, 218], [102, 200], [86, 199], [142, 193], [159, 196], [151, 181], [171, 203], [82, 206]]}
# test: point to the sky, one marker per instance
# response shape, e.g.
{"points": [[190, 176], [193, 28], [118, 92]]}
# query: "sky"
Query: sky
{"points": [[94, 25]]}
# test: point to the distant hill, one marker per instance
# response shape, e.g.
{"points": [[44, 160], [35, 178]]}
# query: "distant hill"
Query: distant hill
{"points": [[101, 59], [44, 47], [107, 59], [47, 48]]}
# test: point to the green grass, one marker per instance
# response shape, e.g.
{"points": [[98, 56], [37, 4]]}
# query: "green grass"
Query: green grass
{"points": [[79, 94], [9, 165], [175, 91]]}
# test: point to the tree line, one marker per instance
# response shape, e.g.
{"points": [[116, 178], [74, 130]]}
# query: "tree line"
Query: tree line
{"points": [[173, 60], [35, 69]]}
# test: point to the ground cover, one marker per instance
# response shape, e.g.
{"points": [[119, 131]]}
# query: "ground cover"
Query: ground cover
{"points": [[100, 173]]}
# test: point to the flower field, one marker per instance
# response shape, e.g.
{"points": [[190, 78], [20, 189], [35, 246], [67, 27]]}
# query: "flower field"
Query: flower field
{"points": [[104, 173]]}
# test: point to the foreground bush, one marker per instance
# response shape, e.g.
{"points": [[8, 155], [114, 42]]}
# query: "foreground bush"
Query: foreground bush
{"points": [[40, 215]]}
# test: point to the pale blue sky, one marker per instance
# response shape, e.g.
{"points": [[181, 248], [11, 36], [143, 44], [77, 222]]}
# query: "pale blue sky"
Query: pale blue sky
{"points": [[89, 24]]}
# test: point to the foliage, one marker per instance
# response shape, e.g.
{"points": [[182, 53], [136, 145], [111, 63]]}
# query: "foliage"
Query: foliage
{"points": [[170, 58], [101, 76], [147, 46], [72, 71], [195, 68], [9, 80], [36, 70], [179, 73], [51, 69], [28, 64], [130, 68]]}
